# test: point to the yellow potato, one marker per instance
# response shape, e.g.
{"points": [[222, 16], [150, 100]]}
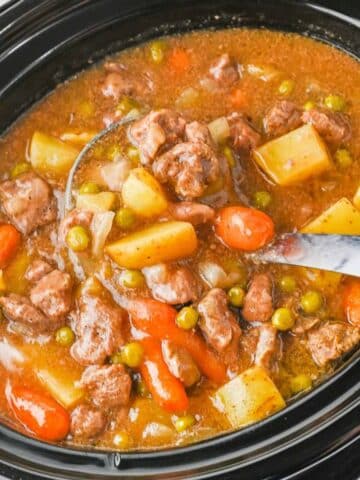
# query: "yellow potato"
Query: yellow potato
{"points": [[294, 157], [51, 156], [96, 202], [249, 397], [159, 243], [61, 384], [2, 282], [356, 199], [143, 194], [14, 273], [342, 218]]}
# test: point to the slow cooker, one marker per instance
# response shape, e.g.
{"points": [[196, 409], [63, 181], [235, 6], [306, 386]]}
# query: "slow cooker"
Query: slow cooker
{"points": [[42, 43]]}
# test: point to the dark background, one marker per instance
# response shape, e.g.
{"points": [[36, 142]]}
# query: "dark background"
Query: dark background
{"points": [[344, 465]]}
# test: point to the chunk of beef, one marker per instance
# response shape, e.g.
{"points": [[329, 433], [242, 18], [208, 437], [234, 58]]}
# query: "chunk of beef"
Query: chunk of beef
{"points": [[114, 174], [331, 340], [258, 304], [174, 285], [87, 422], [37, 270], [195, 213], [161, 128], [281, 118], [98, 327], [198, 132], [73, 218], [24, 317], [108, 386], [180, 363], [225, 71], [52, 294], [243, 135], [121, 81], [303, 324], [335, 128], [266, 346], [217, 322], [28, 202], [189, 167]]}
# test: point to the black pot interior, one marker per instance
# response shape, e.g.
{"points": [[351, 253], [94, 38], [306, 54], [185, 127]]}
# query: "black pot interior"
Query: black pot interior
{"points": [[44, 43]]}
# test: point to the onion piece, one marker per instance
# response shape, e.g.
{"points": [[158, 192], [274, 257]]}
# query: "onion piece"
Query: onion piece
{"points": [[100, 228], [263, 72], [219, 130], [213, 274]]}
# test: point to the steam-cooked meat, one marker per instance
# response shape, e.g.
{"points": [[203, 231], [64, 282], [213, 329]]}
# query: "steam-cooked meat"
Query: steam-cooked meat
{"points": [[114, 174], [87, 422], [258, 305], [266, 346], [242, 133], [24, 317], [195, 213], [335, 128], [281, 118], [73, 218], [121, 81], [108, 386], [52, 294], [225, 71], [160, 128], [198, 132], [174, 285], [217, 322], [37, 270], [28, 202], [189, 167], [331, 340], [180, 363], [98, 327]]}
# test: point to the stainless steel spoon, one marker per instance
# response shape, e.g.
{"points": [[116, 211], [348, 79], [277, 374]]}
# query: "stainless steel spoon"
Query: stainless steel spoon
{"points": [[337, 253]]}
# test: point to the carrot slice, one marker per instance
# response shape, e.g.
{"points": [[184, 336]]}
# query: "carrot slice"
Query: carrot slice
{"points": [[179, 60], [10, 240], [351, 302]]}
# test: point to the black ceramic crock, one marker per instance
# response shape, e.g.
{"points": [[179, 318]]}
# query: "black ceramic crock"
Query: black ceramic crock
{"points": [[45, 42]]}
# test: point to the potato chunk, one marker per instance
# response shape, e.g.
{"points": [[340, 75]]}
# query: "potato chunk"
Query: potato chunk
{"points": [[143, 194], [51, 156], [159, 243], [357, 199], [61, 384], [294, 156], [342, 218], [249, 397], [96, 202]]}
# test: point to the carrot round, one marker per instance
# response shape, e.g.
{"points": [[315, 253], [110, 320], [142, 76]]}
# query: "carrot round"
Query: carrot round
{"points": [[157, 319], [10, 240], [351, 302], [165, 389], [38, 413], [179, 60], [244, 228]]}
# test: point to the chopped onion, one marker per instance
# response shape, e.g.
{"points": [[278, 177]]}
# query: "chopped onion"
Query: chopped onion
{"points": [[77, 138], [213, 274], [157, 430], [264, 73], [219, 130], [100, 227], [187, 98]]}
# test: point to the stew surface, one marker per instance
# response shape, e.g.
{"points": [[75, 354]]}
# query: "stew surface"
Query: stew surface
{"points": [[138, 319]]}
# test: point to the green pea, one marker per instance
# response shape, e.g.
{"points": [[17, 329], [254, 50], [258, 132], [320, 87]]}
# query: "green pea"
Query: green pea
{"points": [[311, 301], [132, 279], [157, 51], [343, 158], [286, 87], [287, 284], [133, 154], [132, 354], [127, 104], [262, 199], [89, 187], [300, 383], [64, 336], [125, 218], [335, 103], [187, 318], [236, 296], [77, 239], [122, 440], [282, 319], [183, 423], [229, 156], [19, 169], [309, 105]]}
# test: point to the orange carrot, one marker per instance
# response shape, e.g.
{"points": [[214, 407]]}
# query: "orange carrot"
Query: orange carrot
{"points": [[238, 99], [351, 302], [179, 60], [9, 242]]}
